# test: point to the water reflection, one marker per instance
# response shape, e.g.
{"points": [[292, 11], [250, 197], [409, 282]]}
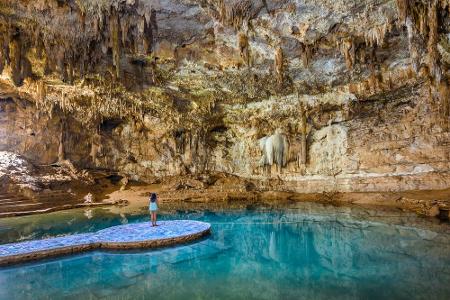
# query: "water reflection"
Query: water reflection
{"points": [[306, 251]]}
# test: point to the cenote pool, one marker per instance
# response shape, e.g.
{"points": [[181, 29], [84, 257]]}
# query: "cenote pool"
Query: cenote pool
{"points": [[298, 251]]}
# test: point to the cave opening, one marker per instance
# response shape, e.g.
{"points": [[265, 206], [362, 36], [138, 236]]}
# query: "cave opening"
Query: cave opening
{"points": [[108, 125]]}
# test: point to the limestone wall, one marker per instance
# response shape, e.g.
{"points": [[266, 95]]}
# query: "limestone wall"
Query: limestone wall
{"points": [[358, 89]]}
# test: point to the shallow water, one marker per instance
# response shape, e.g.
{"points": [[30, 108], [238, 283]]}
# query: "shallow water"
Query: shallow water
{"points": [[304, 251]]}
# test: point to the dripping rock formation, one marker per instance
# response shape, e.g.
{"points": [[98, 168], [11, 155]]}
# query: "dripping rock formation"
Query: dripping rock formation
{"points": [[292, 95]]}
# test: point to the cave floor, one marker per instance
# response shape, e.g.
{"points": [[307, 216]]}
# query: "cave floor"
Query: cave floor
{"points": [[19, 203], [27, 189], [135, 198]]}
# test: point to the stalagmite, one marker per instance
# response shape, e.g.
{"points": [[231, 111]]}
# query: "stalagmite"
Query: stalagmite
{"points": [[275, 150], [444, 96], [303, 132], [61, 152]]}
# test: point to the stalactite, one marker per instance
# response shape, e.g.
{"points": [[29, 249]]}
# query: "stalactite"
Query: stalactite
{"points": [[2, 61], [402, 6], [244, 48], [376, 36], [147, 39], [414, 50], [70, 70], [222, 11], [387, 81], [96, 147], [361, 55], [4, 53], [234, 14], [140, 37], [26, 67], [433, 54], [180, 140], [82, 64], [306, 52], [115, 40], [382, 81], [349, 52], [47, 64], [374, 81], [115, 25], [279, 65], [41, 91], [61, 65], [422, 21], [239, 12], [16, 53], [124, 27]]}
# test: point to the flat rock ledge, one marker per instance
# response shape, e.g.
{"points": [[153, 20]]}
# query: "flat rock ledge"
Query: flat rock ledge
{"points": [[130, 236]]}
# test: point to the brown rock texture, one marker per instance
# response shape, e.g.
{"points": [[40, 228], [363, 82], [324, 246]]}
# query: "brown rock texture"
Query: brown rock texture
{"points": [[297, 96]]}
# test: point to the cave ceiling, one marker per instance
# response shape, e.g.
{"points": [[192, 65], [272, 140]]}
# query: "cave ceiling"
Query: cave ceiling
{"points": [[183, 60]]}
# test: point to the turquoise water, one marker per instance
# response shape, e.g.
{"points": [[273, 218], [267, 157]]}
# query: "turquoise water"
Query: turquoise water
{"points": [[302, 252]]}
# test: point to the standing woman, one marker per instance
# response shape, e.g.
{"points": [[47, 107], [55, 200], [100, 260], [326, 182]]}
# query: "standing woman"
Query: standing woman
{"points": [[153, 208]]}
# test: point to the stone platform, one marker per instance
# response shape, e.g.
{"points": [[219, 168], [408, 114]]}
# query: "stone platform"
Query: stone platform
{"points": [[130, 236]]}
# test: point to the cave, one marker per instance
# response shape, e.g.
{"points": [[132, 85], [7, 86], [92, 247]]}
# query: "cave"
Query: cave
{"points": [[301, 145]]}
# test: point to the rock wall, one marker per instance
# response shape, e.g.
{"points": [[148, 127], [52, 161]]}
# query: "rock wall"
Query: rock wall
{"points": [[160, 88], [380, 145]]}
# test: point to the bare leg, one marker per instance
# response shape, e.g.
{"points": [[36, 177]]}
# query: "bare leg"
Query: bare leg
{"points": [[155, 218]]}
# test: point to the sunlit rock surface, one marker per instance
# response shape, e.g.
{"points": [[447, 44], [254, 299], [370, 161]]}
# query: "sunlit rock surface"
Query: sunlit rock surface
{"points": [[358, 89]]}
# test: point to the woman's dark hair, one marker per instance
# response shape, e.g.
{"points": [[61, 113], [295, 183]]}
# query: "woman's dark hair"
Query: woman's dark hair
{"points": [[153, 197]]}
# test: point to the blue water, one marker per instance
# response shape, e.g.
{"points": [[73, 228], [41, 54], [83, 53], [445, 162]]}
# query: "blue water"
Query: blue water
{"points": [[278, 253]]}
